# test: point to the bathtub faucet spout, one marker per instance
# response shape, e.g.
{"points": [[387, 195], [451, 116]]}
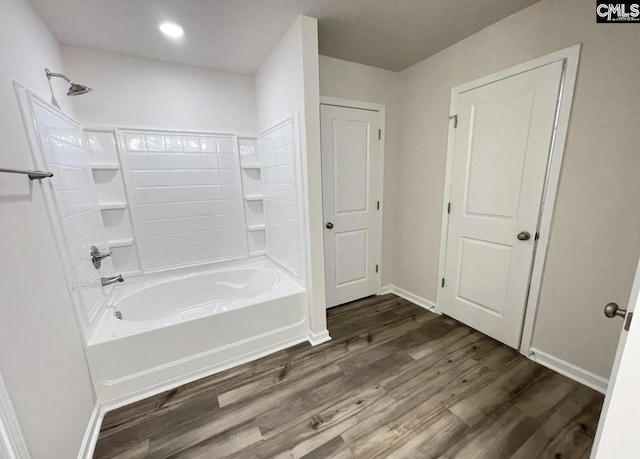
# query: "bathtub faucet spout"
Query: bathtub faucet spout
{"points": [[111, 280]]}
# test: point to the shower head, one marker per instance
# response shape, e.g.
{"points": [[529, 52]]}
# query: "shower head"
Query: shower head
{"points": [[78, 89], [75, 89]]}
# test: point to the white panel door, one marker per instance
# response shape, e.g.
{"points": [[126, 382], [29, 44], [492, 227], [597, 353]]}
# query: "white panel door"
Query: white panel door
{"points": [[501, 151], [350, 149], [616, 436]]}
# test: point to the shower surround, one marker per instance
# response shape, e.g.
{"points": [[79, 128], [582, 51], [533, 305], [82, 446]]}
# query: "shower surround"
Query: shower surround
{"points": [[185, 317], [177, 213]]}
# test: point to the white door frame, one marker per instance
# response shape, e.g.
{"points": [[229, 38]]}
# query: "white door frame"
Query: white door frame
{"points": [[12, 442], [347, 103], [570, 56]]}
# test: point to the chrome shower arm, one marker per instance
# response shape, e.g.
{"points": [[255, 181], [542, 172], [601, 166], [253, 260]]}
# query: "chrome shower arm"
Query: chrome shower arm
{"points": [[51, 74]]}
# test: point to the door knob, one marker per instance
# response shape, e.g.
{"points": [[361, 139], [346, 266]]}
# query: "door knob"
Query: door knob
{"points": [[329, 225], [524, 236], [612, 310]]}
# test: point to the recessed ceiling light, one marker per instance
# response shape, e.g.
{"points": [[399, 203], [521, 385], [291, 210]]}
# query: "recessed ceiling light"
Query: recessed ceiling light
{"points": [[171, 29]]}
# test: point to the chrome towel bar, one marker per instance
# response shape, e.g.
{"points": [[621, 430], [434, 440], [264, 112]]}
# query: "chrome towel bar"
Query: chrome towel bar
{"points": [[33, 175]]}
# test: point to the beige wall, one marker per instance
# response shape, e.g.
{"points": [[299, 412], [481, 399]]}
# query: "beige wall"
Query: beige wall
{"points": [[349, 80], [42, 359], [595, 242]]}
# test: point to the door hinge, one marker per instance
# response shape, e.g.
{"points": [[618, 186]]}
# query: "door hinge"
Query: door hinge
{"points": [[455, 120], [378, 205], [379, 134], [376, 268], [449, 208], [443, 281]]}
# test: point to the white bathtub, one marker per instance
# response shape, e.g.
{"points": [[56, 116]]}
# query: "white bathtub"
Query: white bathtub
{"points": [[191, 296], [183, 326]]}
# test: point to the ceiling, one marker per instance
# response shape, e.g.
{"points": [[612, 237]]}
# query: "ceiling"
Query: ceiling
{"points": [[236, 35]]}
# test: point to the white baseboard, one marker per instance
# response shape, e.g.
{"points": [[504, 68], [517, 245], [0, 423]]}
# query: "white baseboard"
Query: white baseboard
{"points": [[91, 435], [574, 372], [563, 367], [319, 338], [412, 297]]}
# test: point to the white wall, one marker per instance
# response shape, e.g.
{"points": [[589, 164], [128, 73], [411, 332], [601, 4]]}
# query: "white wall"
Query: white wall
{"points": [[130, 91], [41, 352], [595, 243], [279, 80], [287, 84], [349, 80]]}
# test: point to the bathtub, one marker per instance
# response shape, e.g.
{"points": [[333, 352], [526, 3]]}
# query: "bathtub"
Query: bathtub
{"points": [[157, 332]]}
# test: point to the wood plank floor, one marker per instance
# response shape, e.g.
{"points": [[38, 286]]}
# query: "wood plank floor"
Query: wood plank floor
{"points": [[395, 381]]}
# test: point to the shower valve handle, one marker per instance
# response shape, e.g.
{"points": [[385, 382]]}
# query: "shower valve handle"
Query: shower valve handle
{"points": [[97, 256]]}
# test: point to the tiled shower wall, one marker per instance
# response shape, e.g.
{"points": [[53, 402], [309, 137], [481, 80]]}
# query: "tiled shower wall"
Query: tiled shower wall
{"points": [[186, 198], [281, 212], [107, 175], [76, 204]]}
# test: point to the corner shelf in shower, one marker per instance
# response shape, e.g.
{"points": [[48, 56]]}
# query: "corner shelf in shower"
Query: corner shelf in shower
{"points": [[255, 227], [250, 166], [113, 205], [253, 197], [105, 166], [115, 243], [104, 148]]}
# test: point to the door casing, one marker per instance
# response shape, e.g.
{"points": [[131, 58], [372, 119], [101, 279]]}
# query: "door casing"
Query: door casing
{"points": [[12, 442], [570, 56], [347, 103]]}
